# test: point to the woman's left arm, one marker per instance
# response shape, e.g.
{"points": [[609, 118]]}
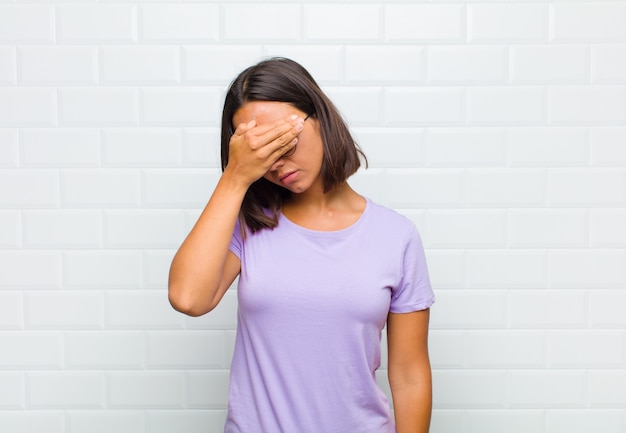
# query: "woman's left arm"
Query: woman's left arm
{"points": [[409, 370]]}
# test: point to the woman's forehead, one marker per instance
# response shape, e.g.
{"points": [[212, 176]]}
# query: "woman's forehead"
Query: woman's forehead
{"points": [[263, 112]]}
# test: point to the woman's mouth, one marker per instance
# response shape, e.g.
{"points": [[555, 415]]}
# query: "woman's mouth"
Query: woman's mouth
{"points": [[288, 178]]}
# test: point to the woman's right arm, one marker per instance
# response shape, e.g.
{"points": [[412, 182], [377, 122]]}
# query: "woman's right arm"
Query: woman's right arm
{"points": [[204, 267]]}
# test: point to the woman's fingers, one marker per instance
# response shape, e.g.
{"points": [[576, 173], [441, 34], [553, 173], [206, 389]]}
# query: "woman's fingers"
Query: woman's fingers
{"points": [[269, 139], [242, 129], [275, 135], [282, 143]]}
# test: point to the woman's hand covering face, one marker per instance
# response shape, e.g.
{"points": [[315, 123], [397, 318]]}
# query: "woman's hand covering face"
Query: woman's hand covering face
{"points": [[255, 148]]}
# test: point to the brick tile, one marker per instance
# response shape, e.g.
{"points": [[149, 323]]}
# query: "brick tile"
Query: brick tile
{"points": [[558, 388], [597, 22], [65, 390], [607, 146], [460, 228], [537, 309], [587, 105], [424, 23], [207, 389], [430, 188], [27, 107], [37, 188], [506, 105], [196, 153], [98, 106], [466, 147], [66, 65], [156, 265], [424, 106], [190, 350], [17, 268], [127, 421], [241, 22], [511, 420], [470, 309], [541, 228], [516, 349], [577, 421], [492, 22], [180, 106], [100, 188], [10, 229], [25, 350], [447, 269], [81, 23], [8, 66], [177, 188], [143, 229], [506, 187], [589, 187], [585, 349], [95, 350], [548, 146], [500, 269], [191, 421], [606, 308], [32, 421], [466, 389], [26, 23], [467, 64], [145, 389], [63, 310], [370, 184], [9, 148], [385, 63], [448, 419], [11, 310], [359, 105], [102, 269], [587, 269], [60, 147], [553, 64], [140, 64], [186, 22], [446, 349], [216, 64], [392, 147], [53, 229], [12, 391], [609, 64], [142, 147], [328, 22], [607, 228], [140, 310]]}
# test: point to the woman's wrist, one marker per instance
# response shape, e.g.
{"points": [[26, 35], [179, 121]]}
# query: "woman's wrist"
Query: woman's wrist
{"points": [[233, 181]]}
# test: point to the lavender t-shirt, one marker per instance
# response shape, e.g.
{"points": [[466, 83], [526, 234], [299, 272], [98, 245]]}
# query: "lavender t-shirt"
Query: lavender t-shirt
{"points": [[312, 306]]}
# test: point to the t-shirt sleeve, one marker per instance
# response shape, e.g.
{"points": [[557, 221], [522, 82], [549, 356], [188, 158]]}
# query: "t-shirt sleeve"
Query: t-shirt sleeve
{"points": [[236, 243], [414, 292]]}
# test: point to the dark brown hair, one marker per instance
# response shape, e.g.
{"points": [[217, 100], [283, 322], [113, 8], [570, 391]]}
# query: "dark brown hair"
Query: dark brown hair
{"points": [[283, 80]]}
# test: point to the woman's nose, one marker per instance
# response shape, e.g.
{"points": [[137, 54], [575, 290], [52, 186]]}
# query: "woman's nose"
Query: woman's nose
{"points": [[279, 163]]}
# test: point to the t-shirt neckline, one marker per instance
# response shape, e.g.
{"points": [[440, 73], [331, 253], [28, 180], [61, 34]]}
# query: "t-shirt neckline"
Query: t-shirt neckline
{"points": [[282, 219]]}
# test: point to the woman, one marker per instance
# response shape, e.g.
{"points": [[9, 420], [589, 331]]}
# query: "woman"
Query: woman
{"points": [[321, 270]]}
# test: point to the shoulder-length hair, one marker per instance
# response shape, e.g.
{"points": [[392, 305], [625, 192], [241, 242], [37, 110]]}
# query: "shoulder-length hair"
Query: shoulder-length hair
{"points": [[283, 80]]}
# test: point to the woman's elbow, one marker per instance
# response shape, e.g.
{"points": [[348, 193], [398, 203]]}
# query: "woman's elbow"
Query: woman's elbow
{"points": [[186, 304]]}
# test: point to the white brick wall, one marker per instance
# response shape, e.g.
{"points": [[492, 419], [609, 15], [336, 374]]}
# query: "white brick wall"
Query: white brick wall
{"points": [[498, 127]]}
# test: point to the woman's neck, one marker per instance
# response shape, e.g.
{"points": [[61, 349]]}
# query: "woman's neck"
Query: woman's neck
{"points": [[333, 210]]}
